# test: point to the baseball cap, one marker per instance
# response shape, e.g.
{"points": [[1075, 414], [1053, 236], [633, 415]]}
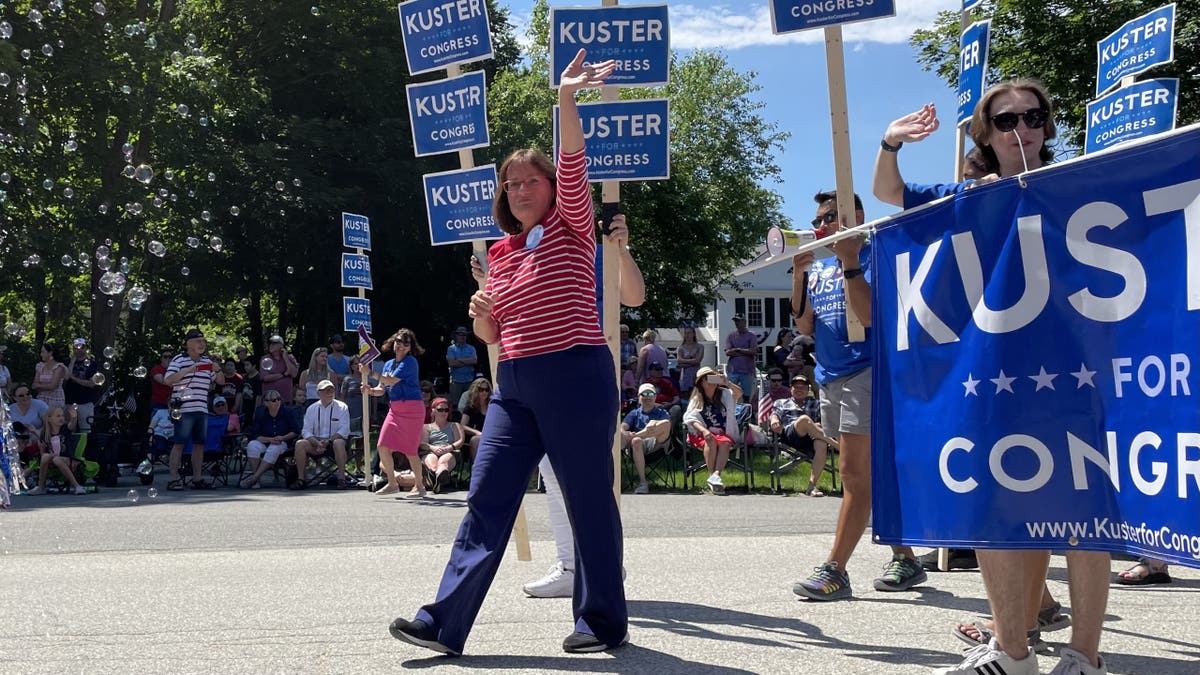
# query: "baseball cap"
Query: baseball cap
{"points": [[219, 399], [193, 334], [79, 342], [739, 317], [461, 330], [647, 387], [324, 384], [337, 337], [799, 378], [274, 339]]}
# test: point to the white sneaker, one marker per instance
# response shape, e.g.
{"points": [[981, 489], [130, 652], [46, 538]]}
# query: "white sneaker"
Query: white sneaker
{"points": [[80, 490], [642, 489], [1072, 662], [39, 490], [559, 583], [989, 659]]}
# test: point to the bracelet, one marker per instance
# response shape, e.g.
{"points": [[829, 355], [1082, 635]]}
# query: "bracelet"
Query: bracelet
{"points": [[887, 147]]}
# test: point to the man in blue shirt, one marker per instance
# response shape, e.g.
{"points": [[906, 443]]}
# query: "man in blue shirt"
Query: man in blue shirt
{"points": [[461, 358], [645, 429], [844, 373]]}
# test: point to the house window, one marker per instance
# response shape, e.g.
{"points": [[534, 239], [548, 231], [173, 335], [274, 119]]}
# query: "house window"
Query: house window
{"points": [[754, 311]]}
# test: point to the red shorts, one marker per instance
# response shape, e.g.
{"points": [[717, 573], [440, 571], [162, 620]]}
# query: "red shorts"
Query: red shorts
{"points": [[697, 441]]}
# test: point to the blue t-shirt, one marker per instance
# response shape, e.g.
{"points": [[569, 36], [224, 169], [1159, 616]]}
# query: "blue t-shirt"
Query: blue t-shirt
{"points": [[409, 386], [916, 194], [637, 419], [836, 356], [341, 365], [462, 373]]}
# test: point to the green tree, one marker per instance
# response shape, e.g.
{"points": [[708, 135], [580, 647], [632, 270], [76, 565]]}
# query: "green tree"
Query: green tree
{"points": [[722, 153], [1055, 42]]}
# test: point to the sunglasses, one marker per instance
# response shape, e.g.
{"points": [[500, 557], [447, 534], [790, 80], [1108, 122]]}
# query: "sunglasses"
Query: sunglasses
{"points": [[272, 400], [516, 185], [646, 394], [25, 395], [1035, 118], [445, 410], [829, 218]]}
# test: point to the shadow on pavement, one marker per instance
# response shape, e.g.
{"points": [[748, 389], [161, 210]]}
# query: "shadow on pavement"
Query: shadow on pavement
{"points": [[628, 659]]}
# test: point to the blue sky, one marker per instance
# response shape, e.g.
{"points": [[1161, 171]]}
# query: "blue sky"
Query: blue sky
{"points": [[883, 82]]}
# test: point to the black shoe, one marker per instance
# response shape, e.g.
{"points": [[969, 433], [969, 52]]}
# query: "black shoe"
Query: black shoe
{"points": [[584, 643], [420, 634], [441, 482], [960, 559]]}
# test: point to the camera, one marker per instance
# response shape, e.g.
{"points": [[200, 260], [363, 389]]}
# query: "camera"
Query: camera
{"points": [[173, 408]]}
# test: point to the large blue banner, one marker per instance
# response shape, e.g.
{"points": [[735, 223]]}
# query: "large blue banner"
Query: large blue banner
{"points": [[1037, 376], [637, 37], [626, 140], [449, 115], [1142, 109], [972, 68], [788, 16], [439, 33], [1136, 47], [459, 205]]}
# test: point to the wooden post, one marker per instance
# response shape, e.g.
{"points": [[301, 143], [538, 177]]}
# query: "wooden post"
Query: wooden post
{"points": [[840, 124], [610, 191], [466, 160]]}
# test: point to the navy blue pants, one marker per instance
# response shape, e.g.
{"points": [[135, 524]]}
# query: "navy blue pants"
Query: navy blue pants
{"points": [[563, 405]]}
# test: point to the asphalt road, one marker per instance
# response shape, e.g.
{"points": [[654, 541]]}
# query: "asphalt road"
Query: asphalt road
{"points": [[237, 581]]}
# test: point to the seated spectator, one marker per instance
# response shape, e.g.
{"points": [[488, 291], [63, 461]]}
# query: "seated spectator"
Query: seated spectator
{"points": [[710, 421], [783, 348], [474, 412], [440, 441], [651, 352], [668, 396], [427, 395], [796, 420], [646, 429], [299, 402], [326, 428], [272, 429], [233, 426], [628, 379], [234, 386], [162, 432], [57, 450], [28, 415]]}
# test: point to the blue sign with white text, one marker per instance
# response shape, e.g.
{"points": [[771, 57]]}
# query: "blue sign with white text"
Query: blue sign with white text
{"points": [[1036, 382], [637, 37], [356, 231], [449, 115], [356, 271], [440, 33], [1136, 47], [356, 312], [1142, 109], [626, 140], [972, 68], [789, 16], [459, 205]]}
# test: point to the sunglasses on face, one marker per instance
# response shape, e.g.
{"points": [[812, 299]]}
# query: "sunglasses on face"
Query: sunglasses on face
{"points": [[1035, 118], [25, 395], [646, 394], [272, 400], [516, 185], [445, 410], [828, 218]]}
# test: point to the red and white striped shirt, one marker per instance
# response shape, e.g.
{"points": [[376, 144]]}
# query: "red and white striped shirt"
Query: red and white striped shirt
{"points": [[544, 295]]}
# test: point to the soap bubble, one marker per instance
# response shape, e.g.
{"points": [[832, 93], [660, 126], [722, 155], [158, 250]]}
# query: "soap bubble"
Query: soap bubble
{"points": [[26, 54], [112, 283], [157, 202], [316, 11], [5, 80], [67, 261], [169, 174], [176, 414], [5, 30], [267, 363], [34, 16], [48, 184], [176, 58], [152, 492], [291, 270], [193, 242], [143, 173], [103, 251], [211, 176], [68, 192], [190, 40], [99, 379], [127, 148], [103, 209], [55, 5], [13, 329], [140, 371], [132, 496], [84, 258], [151, 43], [206, 215], [135, 208], [125, 266], [128, 171], [138, 295], [5, 177], [21, 90], [183, 110], [71, 145], [203, 121], [104, 264], [99, 8], [109, 352], [216, 243], [156, 247], [185, 271], [279, 185], [296, 182], [233, 211], [245, 302], [126, 89], [47, 49]]}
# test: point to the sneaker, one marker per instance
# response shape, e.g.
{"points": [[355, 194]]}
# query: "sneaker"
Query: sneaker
{"points": [[642, 489], [960, 559], [585, 643], [420, 634], [1072, 662], [715, 484], [989, 659], [80, 490], [388, 489], [825, 583], [900, 574], [39, 490], [1051, 618], [559, 583]]}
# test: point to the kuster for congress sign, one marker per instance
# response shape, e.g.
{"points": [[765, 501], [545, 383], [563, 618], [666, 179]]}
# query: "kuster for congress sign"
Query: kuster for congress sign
{"points": [[439, 33], [637, 37], [459, 205], [449, 115]]}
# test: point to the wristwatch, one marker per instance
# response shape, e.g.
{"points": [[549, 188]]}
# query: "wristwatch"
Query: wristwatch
{"points": [[852, 273], [889, 147]]}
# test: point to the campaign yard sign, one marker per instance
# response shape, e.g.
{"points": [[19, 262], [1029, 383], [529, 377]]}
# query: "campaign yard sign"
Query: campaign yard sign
{"points": [[1136, 47], [1036, 380], [626, 140], [449, 115], [637, 37], [789, 16], [459, 205], [440, 33], [972, 68], [356, 231], [356, 312], [1141, 109], [356, 271]]}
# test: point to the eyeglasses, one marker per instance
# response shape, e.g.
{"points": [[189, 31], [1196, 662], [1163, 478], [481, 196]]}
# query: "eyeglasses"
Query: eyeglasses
{"points": [[646, 394], [272, 400], [445, 410], [828, 218], [1035, 118], [516, 185], [25, 395]]}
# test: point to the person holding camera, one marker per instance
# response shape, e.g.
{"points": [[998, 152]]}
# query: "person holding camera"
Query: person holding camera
{"points": [[711, 423], [191, 375]]}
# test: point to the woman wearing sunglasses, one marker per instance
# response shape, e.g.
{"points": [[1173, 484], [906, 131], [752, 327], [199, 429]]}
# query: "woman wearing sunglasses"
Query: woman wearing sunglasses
{"points": [[401, 430], [1012, 126], [539, 305], [441, 440]]}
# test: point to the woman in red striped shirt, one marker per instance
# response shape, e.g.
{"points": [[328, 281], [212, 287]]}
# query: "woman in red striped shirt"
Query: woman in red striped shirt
{"points": [[539, 304]]}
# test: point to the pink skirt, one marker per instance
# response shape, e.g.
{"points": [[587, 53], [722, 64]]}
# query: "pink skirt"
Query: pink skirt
{"points": [[401, 431]]}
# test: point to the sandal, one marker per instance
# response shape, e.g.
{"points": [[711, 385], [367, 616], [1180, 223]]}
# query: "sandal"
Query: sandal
{"points": [[1051, 618], [175, 485], [1131, 577], [983, 634], [814, 491]]}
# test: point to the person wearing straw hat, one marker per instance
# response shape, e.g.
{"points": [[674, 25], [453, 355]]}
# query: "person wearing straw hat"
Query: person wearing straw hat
{"points": [[711, 422]]}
